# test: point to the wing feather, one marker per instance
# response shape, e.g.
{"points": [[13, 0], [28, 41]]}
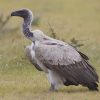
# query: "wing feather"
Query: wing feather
{"points": [[83, 55]]}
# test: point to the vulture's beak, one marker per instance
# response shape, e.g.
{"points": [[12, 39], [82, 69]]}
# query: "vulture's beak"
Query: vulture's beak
{"points": [[13, 14]]}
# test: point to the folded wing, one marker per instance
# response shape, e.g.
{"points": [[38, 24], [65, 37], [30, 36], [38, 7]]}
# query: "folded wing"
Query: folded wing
{"points": [[67, 62]]}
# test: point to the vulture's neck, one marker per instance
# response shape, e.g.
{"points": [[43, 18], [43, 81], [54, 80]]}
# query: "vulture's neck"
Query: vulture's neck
{"points": [[27, 27], [38, 36]]}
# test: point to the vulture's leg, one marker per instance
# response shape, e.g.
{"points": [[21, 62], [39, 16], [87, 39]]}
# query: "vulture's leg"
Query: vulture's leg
{"points": [[55, 79], [52, 88]]}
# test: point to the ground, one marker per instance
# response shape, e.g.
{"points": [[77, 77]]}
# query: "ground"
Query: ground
{"points": [[19, 80]]}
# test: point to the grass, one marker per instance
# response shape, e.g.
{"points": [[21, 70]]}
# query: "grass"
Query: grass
{"points": [[19, 80]]}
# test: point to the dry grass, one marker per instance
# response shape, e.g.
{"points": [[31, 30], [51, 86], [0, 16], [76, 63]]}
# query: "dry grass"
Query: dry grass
{"points": [[79, 19]]}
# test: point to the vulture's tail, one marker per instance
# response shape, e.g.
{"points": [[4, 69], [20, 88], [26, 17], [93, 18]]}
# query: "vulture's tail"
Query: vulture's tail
{"points": [[93, 87]]}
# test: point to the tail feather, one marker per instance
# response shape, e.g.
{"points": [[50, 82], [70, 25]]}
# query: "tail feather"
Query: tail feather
{"points": [[93, 87]]}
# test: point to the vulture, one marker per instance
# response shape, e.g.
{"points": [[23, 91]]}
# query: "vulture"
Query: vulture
{"points": [[63, 64]]}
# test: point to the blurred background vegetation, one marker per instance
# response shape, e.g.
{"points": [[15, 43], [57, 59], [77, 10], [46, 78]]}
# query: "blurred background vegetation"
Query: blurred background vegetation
{"points": [[74, 21]]}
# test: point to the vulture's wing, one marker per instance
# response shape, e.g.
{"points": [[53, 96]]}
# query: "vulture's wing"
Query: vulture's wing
{"points": [[32, 60], [67, 62], [83, 55]]}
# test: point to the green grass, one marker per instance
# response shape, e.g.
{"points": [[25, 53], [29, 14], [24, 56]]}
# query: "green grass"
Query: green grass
{"points": [[19, 80]]}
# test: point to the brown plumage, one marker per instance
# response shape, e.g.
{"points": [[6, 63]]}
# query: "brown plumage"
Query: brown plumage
{"points": [[63, 64]]}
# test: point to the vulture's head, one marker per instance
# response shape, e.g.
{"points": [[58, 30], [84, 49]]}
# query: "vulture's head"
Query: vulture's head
{"points": [[24, 13]]}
